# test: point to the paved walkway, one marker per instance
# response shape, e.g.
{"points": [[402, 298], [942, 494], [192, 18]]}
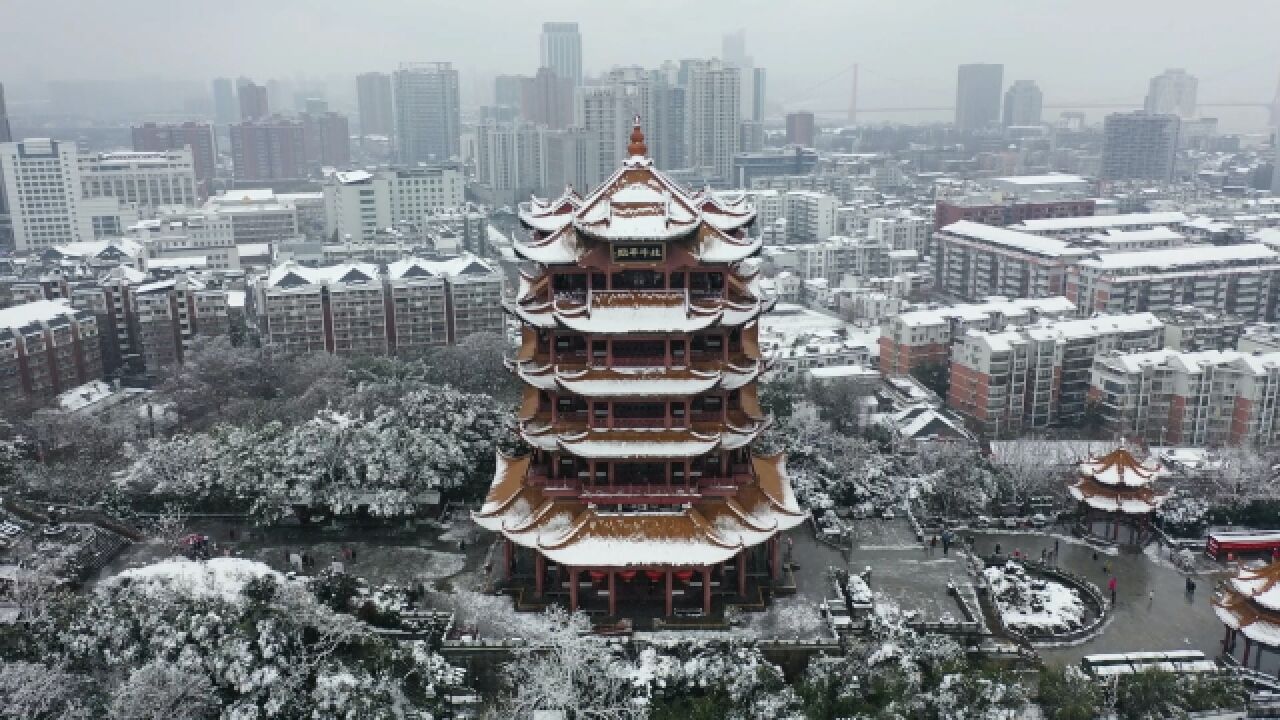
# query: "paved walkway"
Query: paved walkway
{"points": [[1152, 612]]}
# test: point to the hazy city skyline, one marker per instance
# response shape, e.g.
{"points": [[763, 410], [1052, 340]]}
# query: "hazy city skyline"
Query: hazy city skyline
{"points": [[807, 48]]}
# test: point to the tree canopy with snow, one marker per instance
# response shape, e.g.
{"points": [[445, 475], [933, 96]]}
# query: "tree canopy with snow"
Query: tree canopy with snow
{"points": [[227, 638]]}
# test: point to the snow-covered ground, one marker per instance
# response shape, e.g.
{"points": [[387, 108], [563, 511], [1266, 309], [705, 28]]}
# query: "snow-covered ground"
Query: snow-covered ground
{"points": [[789, 617], [1031, 603]]}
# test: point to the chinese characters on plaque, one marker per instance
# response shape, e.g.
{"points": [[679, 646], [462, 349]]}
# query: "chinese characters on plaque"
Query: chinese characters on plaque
{"points": [[637, 253]]}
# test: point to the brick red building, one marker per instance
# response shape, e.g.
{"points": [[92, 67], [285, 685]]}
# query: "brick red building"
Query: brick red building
{"points": [[270, 149], [46, 347], [152, 137]]}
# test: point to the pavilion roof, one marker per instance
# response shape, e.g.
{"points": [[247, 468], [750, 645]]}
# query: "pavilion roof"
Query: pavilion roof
{"points": [[1120, 468], [1240, 611], [1123, 499]]}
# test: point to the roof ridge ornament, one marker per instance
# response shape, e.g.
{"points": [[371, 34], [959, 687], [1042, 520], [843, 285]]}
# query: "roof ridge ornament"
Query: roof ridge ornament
{"points": [[637, 146]]}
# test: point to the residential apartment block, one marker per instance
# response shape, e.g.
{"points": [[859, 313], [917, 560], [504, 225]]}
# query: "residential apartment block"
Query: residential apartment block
{"points": [[146, 323], [1009, 381], [973, 261], [46, 347], [1208, 398], [1240, 280], [354, 309], [923, 337]]}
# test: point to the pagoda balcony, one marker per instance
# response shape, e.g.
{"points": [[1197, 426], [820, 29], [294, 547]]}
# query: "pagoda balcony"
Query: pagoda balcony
{"points": [[677, 492], [641, 361]]}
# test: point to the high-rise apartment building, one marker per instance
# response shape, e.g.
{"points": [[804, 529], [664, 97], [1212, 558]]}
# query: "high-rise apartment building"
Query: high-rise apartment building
{"points": [[561, 50], [1172, 92], [6, 131], [373, 95], [800, 128], [978, 87], [152, 137], [607, 111], [1023, 104], [546, 99], [270, 149], [757, 94], [225, 110], [509, 90], [327, 139], [1139, 145], [713, 112], [509, 161], [253, 101], [6, 135], [428, 123], [147, 179]]}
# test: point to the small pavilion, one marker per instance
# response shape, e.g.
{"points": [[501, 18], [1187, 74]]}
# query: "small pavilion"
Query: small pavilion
{"points": [[1116, 490], [1249, 606]]}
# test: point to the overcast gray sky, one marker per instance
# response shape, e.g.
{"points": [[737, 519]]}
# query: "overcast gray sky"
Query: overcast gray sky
{"points": [[1078, 50]]}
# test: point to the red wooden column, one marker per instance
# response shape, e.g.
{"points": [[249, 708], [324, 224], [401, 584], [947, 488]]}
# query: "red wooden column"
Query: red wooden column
{"points": [[539, 569], [613, 593], [742, 572], [573, 588], [507, 559], [1247, 647], [706, 589], [1226, 640], [669, 573]]}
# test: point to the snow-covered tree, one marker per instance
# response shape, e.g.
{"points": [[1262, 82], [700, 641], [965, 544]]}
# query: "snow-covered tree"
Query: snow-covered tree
{"points": [[574, 672], [34, 691], [159, 690]]}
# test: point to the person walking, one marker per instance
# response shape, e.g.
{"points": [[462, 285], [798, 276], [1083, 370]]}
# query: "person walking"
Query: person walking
{"points": [[351, 553], [1111, 585]]}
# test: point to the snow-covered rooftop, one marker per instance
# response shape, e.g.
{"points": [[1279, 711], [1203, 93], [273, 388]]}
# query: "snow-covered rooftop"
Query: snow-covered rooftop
{"points": [[1182, 257], [1013, 239], [1099, 222], [34, 312]]}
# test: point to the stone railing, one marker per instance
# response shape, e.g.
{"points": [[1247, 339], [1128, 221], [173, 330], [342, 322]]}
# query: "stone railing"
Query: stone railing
{"points": [[1092, 594]]}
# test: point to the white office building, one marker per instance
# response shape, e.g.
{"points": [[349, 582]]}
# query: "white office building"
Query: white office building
{"points": [[358, 204], [146, 179]]}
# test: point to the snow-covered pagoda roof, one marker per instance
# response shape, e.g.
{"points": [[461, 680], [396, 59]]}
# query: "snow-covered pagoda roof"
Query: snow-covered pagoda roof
{"points": [[637, 202], [1117, 483], [1119, 468], [639, 312], [706, 532], [1250, 603]]}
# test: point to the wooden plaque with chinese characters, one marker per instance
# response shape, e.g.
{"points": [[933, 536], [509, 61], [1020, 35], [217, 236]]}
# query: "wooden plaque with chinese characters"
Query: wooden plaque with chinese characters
{"points": [[639, 252]]}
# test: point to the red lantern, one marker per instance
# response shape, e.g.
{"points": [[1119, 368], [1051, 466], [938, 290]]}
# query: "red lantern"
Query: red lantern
{"points": [[684, 575], [654, 575], [595, 576], [627, 575]]}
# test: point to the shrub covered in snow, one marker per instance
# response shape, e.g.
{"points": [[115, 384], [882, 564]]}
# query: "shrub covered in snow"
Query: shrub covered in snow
{"points": [[1034, 604]]}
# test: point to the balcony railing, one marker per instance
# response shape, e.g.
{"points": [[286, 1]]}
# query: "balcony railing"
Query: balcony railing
{"points": [[641, 361], [677, 491]]}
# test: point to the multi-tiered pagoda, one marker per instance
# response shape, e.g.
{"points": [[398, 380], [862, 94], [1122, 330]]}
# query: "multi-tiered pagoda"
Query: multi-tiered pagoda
{"points": [[1114, 490], [640, 362]]}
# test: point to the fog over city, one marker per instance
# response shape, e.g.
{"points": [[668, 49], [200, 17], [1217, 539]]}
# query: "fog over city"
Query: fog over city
{"points": [[1084, 51]]}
